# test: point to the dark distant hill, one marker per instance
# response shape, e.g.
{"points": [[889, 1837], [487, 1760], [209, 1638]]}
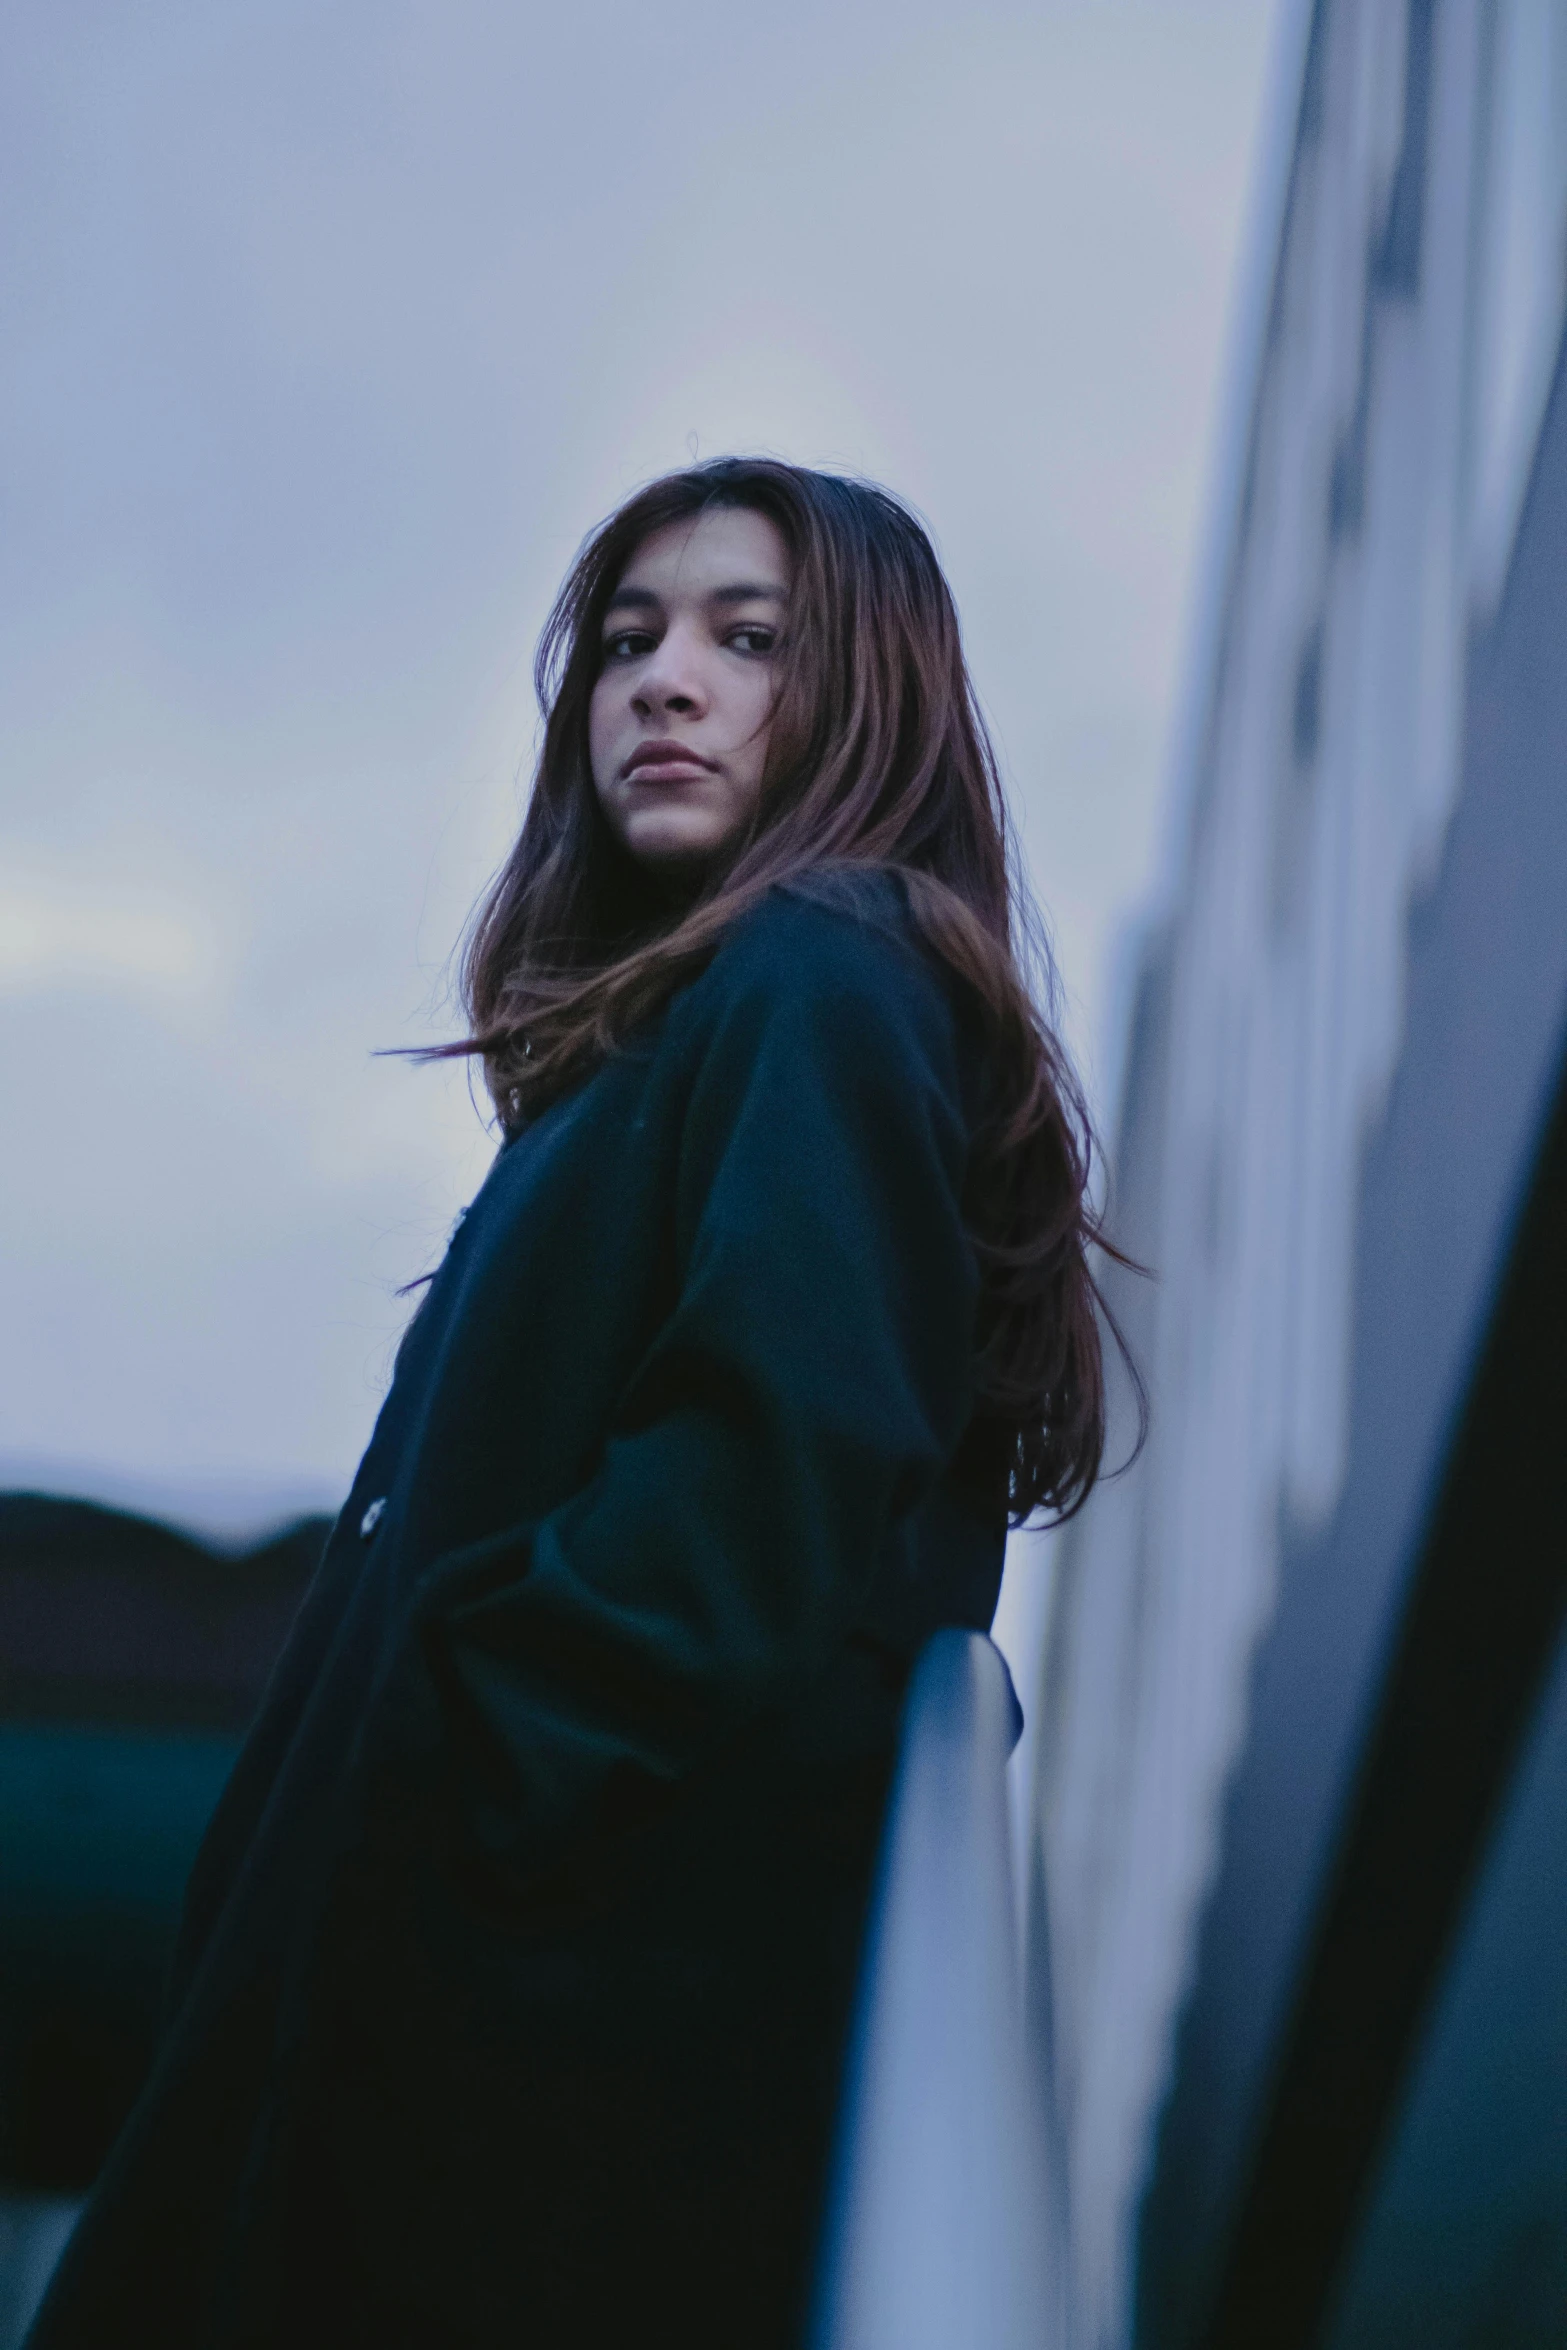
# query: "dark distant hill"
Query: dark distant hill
{"points": [[132, 1659], [106, 1616]]}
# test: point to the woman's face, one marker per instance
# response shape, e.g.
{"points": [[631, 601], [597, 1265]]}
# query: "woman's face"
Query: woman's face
{"points": [[678, 723]]}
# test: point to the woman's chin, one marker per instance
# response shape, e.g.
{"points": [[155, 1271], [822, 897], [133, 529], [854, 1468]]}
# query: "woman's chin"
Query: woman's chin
{"points": [[673, 845]]}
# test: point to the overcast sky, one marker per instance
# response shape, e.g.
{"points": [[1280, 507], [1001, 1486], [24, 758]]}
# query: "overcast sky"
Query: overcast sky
{"points": [[328, 332]]}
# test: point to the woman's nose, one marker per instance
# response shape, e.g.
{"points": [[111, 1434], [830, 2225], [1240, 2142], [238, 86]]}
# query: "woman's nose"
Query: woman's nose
{"points": [[671, 682]]}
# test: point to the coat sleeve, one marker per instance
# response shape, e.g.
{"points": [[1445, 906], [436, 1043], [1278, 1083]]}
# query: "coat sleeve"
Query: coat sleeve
{"points": [[814, 1375]]}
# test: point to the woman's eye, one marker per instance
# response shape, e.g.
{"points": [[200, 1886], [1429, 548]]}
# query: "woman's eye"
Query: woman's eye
{"points": [[627, 644], [753, 638]]}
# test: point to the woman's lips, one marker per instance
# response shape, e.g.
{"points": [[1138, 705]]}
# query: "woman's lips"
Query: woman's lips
{"points": [[665, 762]]}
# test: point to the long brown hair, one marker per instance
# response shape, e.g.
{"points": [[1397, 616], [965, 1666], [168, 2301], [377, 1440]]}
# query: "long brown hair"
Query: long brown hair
{"points": [[877, 756]]}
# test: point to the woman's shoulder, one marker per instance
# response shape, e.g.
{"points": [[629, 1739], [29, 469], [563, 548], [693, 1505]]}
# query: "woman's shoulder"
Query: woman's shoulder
{"points": [[828, 966], [829, 933]]}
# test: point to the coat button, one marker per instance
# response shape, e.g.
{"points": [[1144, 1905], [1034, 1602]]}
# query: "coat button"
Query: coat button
{"points": [[371, 1519]]}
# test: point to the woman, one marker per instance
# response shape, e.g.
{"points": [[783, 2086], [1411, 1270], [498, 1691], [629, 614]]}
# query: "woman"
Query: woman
{"points": [[512, 1982]]}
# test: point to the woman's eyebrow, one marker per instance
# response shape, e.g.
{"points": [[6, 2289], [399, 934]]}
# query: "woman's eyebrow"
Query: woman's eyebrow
{"points": [[740, 591], [639, 600]]}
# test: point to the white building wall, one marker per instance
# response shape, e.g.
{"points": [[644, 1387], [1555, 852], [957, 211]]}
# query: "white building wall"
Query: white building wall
{"points": [[1391, 420]]}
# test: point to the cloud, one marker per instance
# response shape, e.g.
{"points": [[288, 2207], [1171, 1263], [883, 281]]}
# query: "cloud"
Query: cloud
{"points": [[54, 936], [328, 334]]}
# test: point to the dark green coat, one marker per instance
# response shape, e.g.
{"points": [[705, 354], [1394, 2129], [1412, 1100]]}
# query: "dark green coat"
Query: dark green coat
{"points": [[511, 1989]]}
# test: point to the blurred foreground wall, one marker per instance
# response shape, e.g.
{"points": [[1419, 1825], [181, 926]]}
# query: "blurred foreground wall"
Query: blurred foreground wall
{"points": [[1303, 1746]]}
